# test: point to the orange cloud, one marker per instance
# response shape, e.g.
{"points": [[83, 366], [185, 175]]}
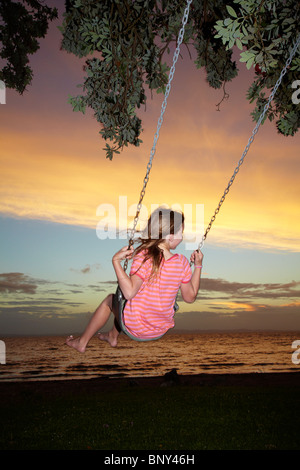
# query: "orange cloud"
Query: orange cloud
{"points": [[291, 304], [53, 166], [52, 182], [237, 306]]}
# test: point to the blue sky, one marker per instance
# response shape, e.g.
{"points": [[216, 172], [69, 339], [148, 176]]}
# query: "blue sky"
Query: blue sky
{"points": [[59, 273]]}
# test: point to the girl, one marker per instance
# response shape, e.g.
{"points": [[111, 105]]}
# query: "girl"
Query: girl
{"points": [[150, 289]]}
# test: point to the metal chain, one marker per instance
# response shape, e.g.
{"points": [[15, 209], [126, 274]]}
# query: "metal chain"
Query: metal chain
{"points": [[255, 130], [159, 123]]}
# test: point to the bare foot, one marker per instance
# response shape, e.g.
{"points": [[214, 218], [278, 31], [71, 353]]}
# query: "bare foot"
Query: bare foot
{"points": [[109, 337], [75, 343]]}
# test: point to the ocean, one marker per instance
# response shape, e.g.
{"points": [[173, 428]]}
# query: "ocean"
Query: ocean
{"points": [[48, 358]]}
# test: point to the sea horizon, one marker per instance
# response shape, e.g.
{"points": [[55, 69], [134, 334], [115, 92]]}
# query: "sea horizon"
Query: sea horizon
{"points": [[171, 332], [47, 357]]}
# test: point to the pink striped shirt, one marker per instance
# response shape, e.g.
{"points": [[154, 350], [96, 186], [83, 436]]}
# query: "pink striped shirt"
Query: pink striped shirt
{"points": [[150, 313]]}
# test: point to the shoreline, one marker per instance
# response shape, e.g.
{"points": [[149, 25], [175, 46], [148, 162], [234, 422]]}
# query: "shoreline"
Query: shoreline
{"points": [[10, 391]]}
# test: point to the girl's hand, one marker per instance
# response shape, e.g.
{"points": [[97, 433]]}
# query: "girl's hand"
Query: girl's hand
{"points": [[124, 253], [197, 258]]}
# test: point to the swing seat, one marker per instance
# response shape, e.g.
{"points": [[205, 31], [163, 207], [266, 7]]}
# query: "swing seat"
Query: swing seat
{"points": [[119, 303]]}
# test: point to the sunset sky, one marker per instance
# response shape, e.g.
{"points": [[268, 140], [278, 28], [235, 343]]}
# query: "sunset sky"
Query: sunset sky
{"points": [[54, 176]]}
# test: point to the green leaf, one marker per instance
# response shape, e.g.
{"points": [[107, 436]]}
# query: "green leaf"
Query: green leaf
{"points": [[250, 62], [239, 44], [227, 21], [245, 56], [231, 11]]}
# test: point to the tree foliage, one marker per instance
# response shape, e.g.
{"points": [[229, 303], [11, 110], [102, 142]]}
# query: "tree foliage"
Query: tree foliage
{"points": [[265, 32], [127, 41], [126, 44], [22, 24]]}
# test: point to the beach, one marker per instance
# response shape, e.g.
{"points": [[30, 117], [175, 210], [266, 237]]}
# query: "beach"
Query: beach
{"points": [[186, 392], [247, 411], [10, 391]]}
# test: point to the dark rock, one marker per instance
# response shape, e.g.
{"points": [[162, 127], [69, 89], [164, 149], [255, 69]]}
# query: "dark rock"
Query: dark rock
{"points": [[171, 378]]}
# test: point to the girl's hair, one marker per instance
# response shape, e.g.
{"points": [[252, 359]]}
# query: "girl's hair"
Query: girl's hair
{"points": [[161, 223]]}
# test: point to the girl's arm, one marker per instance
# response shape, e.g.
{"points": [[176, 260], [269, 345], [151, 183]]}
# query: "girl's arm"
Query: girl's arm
{"points": [[129, 285], [190, 289]]}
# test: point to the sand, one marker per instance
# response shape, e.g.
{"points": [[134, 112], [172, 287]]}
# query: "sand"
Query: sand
{"points": [[10, 391]]}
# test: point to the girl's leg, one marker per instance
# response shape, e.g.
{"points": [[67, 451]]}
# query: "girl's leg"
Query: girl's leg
{"points": [[111, 337], [97, 321]]}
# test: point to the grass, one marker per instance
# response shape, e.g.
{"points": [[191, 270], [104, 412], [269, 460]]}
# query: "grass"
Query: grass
{"points": [[172, 418]]}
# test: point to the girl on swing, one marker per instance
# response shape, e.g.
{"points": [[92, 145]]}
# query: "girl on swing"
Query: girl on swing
{"points": [[152, 285]]}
